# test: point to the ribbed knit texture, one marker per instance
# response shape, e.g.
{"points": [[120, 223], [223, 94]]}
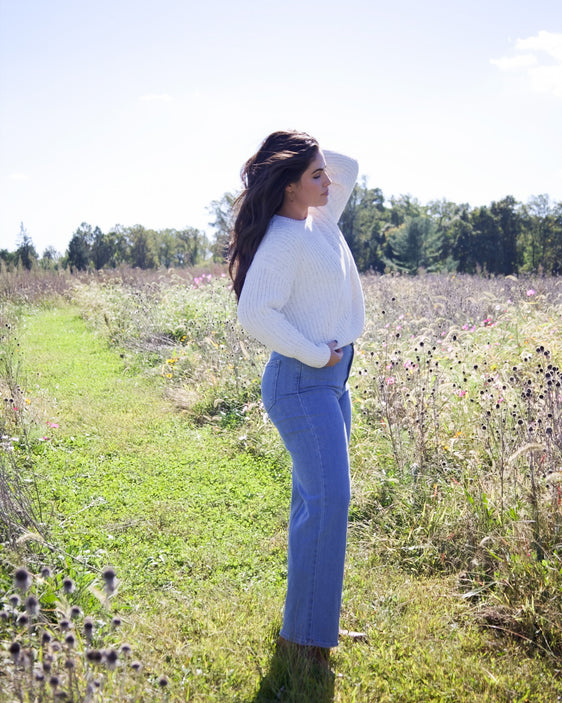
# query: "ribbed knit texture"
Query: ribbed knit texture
{"points": [[302, 289]]}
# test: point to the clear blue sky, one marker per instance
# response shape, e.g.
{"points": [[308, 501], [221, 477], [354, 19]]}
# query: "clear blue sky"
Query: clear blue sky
{"points": [[142, 112]]}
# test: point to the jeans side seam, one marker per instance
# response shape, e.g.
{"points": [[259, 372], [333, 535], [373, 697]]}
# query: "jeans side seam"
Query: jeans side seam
{"points": [[313, 594]]}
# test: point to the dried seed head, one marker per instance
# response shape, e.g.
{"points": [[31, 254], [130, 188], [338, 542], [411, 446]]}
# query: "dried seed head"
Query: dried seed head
{"points": [[94, 656], [64, 624], [32, 605], [68, 585], [23, 620], [22, 579], [70, 640], [46, 573], [116, 621], [14, 600], [75, 612], [89, 628], [136, 665], [45, 638], [15, 649], [126, 649], [110, 656], [162, 682], [54, 681], [109, 576], [69, 664]]}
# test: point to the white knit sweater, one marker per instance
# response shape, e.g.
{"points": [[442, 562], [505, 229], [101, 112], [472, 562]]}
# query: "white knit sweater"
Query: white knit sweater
{"points": [[302, 289]]}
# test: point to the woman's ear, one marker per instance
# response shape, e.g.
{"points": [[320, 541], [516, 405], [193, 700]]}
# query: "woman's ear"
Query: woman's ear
{"points": [[290, 192]]}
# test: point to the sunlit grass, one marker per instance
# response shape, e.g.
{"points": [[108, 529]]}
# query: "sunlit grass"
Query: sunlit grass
{"points": [[154, 454]]}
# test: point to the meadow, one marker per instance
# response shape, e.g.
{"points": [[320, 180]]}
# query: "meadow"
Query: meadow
{"points": [[144, 494]]}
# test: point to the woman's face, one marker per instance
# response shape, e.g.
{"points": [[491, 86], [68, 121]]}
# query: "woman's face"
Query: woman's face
{"points": [[311, 190]]}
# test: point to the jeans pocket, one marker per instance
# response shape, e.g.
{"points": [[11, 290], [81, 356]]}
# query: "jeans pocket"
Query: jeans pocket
{"points": [[269, 383]]}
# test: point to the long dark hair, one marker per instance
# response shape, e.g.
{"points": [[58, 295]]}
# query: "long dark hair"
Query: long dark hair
{"points": [[281, 159]]}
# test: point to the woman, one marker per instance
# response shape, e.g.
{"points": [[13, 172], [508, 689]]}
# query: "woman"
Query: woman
{"points": [[299, 294]]}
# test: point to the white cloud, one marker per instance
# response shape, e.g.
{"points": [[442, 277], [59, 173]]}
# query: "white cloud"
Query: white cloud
{"points": [[513, 63], [540, 64], [548, 42], [156, 97], [18, 177]]}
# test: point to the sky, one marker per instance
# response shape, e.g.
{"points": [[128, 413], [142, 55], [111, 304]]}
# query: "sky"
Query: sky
{"points": [[143, 112]]}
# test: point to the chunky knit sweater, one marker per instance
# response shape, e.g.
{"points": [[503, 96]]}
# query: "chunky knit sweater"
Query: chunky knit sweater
{"points": [[302, 289]]}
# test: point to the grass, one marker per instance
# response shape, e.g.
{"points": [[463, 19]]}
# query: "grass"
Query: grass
{"points": [[168, 471]]}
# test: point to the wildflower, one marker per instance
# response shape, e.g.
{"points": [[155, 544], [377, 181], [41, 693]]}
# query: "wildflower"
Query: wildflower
{"points": [[45, 638], [14, 600], [54, 681], [89, 628], [531, 292], [15, 649], [126, 649], [109, 577], [162, 682], [22, 579], [75, 612], [32, 605], [136, 665], [64, 624], [68, 585], [46, 573], [94, 656], [70, 640], [116, 622], [110, 656]]}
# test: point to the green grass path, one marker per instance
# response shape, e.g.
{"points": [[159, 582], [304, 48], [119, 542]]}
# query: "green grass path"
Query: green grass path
{"points": [[196, 532], [130, 479]]}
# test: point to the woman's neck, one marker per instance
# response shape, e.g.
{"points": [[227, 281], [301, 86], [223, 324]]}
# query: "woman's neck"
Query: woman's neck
{"points": [[292, 211]]}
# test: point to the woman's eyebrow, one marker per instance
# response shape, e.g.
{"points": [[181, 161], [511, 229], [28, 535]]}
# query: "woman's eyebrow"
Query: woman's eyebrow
{"points": [[318, 169]]}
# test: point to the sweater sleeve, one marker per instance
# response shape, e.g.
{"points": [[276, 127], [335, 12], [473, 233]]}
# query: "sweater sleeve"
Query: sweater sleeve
{"points": [[267, 288], [343, 172]]}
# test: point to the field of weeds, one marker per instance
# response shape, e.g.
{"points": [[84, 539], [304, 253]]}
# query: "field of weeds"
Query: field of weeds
{"points": [[132, 409]]}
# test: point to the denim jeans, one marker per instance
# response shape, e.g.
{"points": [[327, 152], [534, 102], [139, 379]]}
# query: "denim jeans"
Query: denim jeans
{"points": [[311, 409]]}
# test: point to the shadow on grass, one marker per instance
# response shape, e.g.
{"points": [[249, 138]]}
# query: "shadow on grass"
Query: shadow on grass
{"points": [[295, 679]]}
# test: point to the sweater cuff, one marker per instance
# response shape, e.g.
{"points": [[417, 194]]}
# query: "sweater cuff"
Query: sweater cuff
{"points": [[319, 358]]}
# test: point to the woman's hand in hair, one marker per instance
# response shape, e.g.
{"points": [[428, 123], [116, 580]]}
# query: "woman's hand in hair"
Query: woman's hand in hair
{"points": [[336, 354]]}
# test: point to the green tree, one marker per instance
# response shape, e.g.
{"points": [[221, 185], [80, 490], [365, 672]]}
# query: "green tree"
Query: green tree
{"points": [[461, 235], [25, 254], [540, 235], [363, 223], [510, 224], [79, 248], [416, 244], [222, 213], [50, 259], [194, 245], [101, 249], [143, 253]]}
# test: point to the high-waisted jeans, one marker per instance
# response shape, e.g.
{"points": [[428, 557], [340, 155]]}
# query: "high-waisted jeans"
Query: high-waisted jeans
{"points": [[311, 409]]}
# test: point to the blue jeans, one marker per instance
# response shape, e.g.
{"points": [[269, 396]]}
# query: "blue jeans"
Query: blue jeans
{"points": [[311, 409]]}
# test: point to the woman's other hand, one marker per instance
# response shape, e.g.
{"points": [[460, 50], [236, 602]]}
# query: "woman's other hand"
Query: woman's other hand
{"points": [[336, 354]]}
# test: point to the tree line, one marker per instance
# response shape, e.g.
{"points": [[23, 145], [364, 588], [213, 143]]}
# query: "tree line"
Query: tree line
{"points": [[505, 237]]}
